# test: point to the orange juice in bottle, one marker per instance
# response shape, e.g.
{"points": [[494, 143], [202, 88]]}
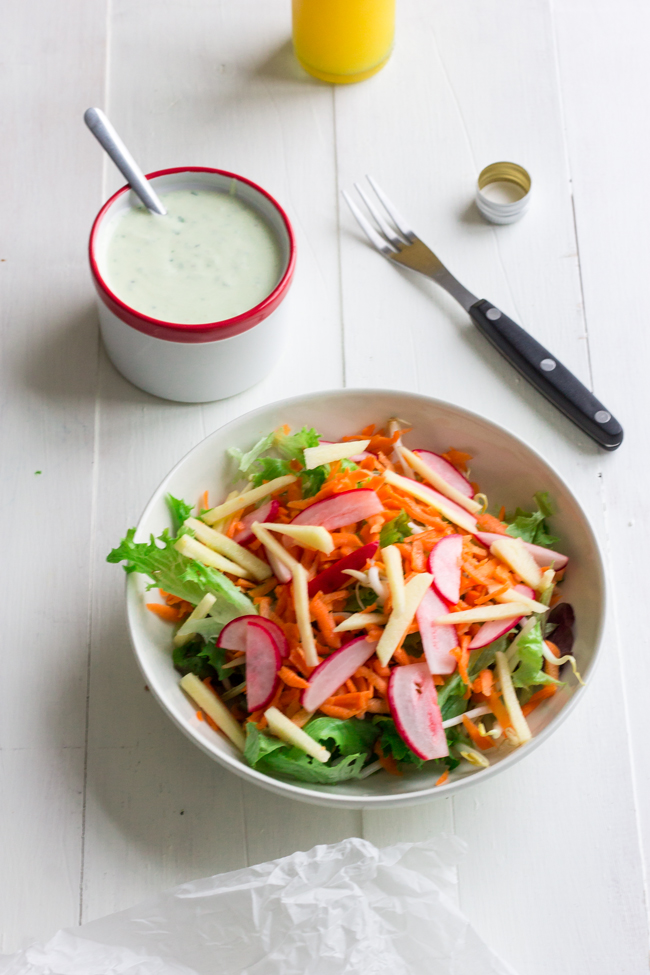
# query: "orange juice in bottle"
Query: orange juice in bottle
{"points": [[343, 40]]}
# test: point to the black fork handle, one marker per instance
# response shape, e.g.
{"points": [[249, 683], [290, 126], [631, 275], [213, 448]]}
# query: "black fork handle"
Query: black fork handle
{"points": [[547, 374]]}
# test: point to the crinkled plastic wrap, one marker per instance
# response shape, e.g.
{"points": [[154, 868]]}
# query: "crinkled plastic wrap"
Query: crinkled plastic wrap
{"points": [[344, 909]]}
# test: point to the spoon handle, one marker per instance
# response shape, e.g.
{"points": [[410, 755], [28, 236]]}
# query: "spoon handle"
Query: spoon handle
{"points": [[106, 135]]}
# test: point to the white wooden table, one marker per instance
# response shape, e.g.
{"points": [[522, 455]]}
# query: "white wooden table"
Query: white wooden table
{"points": [[102, 800]]}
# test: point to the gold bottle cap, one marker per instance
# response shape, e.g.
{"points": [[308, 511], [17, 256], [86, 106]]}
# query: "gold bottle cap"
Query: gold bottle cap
{"points": [[503, 192]]}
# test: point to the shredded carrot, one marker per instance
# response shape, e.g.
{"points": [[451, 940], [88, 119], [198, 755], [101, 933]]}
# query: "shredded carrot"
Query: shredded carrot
{"points": [[461, 655], [443, 778], [384, 445], [291, 678], [498, 710], [552, 669], [458, 458], [181, 605], [355, 702], [387, 761], [203, 502], [379, 683], [168, 613], [401, 656], [488, 523], [213, 724], [481, 741], [380, 669], [418, 561], [324, 621], [335, 712], [199, 715], [547, 691], [266, 587], [483, 683], [264, 605]]}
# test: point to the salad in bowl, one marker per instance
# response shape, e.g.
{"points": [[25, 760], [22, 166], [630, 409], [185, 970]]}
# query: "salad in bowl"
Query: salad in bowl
{"points": [[355, 607]]}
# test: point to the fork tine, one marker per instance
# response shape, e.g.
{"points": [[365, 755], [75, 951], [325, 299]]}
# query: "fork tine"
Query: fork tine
{"points": [[385, 228], [375, 239], [394, 214]]}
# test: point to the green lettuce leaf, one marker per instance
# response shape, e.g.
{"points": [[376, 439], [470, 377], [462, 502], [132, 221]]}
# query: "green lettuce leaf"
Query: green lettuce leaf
{"points": [[348, 737], [481, 659], [179, 510], [359, 598], [348, 465], [451, 697], [246, 460], [183, 577], [292, 445], [528, 671], [455, 736], [313, 480], [392, 743], [271, 755], [202, 659], [189, 659], [269, 468], [531, 525], [395, 530]]}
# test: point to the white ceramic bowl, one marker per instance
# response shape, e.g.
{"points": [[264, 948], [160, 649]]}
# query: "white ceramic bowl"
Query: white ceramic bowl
{"points": [[508, 471], [194, 363]]}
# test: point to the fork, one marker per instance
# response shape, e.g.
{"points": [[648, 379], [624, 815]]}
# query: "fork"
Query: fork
{"points": [[401, 245]]}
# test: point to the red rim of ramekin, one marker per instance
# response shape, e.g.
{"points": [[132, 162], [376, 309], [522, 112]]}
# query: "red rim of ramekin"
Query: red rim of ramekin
{"points": [[207, 331]]}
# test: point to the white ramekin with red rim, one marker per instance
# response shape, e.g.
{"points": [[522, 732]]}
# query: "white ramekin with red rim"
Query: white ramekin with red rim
{"points": [[194, 363]]}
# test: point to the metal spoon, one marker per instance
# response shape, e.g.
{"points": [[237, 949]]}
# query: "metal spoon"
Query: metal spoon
{"points": [[108, 138]]}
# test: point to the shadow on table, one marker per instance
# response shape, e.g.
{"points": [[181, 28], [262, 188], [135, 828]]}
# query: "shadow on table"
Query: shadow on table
{"points": [[157, 810], [282, 65], [69, 364], [505, 374]]}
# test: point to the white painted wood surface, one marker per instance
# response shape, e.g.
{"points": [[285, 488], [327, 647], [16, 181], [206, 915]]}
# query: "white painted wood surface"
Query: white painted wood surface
{"points": [[102, 801]]}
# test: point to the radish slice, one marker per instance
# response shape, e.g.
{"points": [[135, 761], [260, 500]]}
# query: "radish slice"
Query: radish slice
{"points": [[262, 665], [525, 590], [414, 707], [446, 471], [543, 556], [335, 670], [444, 566], [449, 509], [267, 512], [334, 576], [491, 631], [341, 509], [438, 640], [233, 635]]}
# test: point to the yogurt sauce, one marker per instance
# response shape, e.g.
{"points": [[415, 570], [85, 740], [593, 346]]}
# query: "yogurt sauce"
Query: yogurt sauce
{"points": [[211, 258]]}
